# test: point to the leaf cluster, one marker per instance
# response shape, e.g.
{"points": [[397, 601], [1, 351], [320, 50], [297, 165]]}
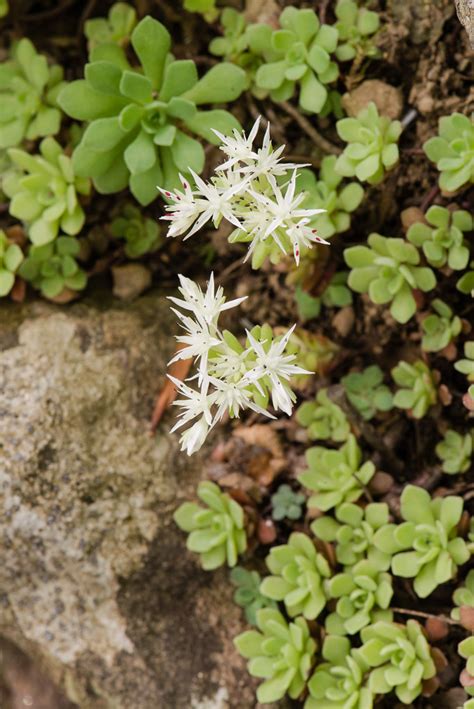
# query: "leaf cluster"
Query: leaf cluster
{"points": [[217, 531], [366, 391]]}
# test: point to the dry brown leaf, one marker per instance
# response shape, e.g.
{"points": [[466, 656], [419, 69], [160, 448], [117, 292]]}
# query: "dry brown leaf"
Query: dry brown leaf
{"points": [[264, 466], [167, 395]]}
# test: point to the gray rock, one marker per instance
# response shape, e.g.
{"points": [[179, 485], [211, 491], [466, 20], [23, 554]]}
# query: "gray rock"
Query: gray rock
{"points": [[95, 580]]}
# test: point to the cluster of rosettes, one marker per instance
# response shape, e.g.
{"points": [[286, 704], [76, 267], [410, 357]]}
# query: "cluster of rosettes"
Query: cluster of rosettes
{"points": [[252, 191], [230, 376]]}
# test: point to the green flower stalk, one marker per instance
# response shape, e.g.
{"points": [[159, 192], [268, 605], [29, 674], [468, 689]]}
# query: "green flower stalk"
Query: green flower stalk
{"points": [[463, 596], [455, 450], [298, 577], [426, 546], [287, 504], [353, 531], [340, 681], [247, 594], [336, 476], [372, 145], [324, 419], [11, 257], [324, 193], [356, 26], [388, 270], [141, 118], [115, 29], [401, 657], [297, 54], [453, 151], [44, 192], [363, 596], [281, 653], [366, 391], [53, 267], [442, 239], [217, 532], [418, 389], [141, 235], [466, 366], [440, 328], [28, 94]]}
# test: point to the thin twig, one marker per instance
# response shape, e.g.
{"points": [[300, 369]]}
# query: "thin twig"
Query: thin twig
{"points": [[429, 197], [47, 14], [319, 140], [422, 614]]}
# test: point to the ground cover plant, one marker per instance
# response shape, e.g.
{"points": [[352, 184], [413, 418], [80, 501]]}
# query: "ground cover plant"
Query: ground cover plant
{"points": [[312, 228]]}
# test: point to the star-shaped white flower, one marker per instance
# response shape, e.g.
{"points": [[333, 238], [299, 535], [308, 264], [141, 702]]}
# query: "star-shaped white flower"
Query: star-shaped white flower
{"points": [[238, 147], [207, 306], [276, 366]]}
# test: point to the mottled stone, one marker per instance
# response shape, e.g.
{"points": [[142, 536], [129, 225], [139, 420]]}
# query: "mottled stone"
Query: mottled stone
{"points": [[95, 580]]}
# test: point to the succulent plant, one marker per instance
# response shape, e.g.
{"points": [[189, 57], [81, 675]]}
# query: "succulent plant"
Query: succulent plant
{"points": [[418, 390], [335, 295], [282, 654], [324, 193], [388, 270], [372, 145], [28, 93], [217, 532], [133, 136], [426, 546], [401, 657], [287, 504], [141, 235], [44, 192], [463, 596], [353, 530], [247, 594], [366, 391], [466, 650], [298, 576], [11, 257], [466, 282], [442, 239], [52, 267], [355, 26], [466, 366], [234, 42], [453, 151], [324, 419], [455, 450], [440, 328], [336, 476], [339, 683], [116, 28], [297, 53], [363, 595]]}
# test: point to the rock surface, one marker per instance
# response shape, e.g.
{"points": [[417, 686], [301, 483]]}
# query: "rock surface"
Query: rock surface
{"points": [[95, 582]]}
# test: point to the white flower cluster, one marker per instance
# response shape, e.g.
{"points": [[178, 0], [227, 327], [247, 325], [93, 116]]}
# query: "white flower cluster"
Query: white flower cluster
{"points": [[230, 377], [252, 191]]}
